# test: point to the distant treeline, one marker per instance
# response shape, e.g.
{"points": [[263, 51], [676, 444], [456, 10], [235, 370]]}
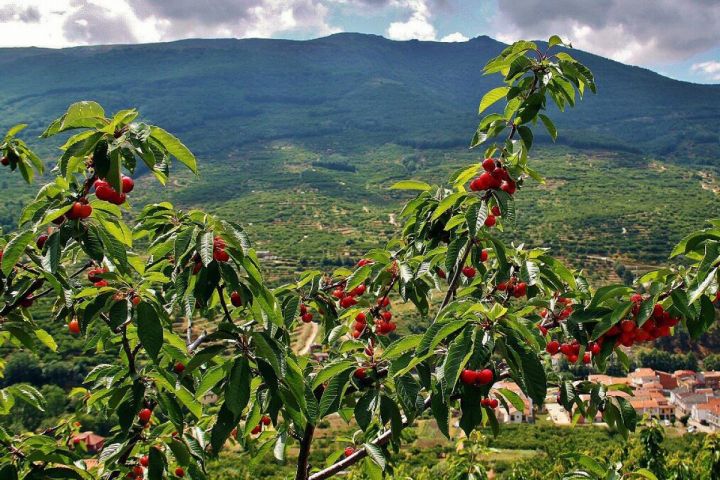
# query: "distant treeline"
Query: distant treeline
{"points": [[342, 167]]}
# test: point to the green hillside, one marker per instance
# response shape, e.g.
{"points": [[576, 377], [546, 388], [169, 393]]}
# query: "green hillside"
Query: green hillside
{"points": [[334, 121]]}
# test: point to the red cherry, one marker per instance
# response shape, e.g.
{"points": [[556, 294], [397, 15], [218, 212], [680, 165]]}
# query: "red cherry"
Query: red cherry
{"points": [[566, 349], [586, 358], [636, 298], [101, 284], [595, 349], [349, 451], [469, 271], [303, 309], [144, 415], [658, 311], [502, 286], [508, 187], [485, 402], [485, 181], [27, 302], [127, 184], [265, 420], [236, 299], [197, 267], [357, 334], [495, 210], [179, 368], [484, 256], [338, 293], [307, 317], [136, 300], [468, 377], [40, 242], [552, 347], [179, 472], [358, 291], [490, 221], [348, 302], [144, 460], [489, 164], [361, 317], [360, 373], [256, 430], [221, 256], [572, 358], [364, 261], [493, 403], [383, 302], [5, 161], [75, 211], [483, 377], [520, 290], [627, 326], [387, 316], [441, 273], [475, 185], [74, 326]]}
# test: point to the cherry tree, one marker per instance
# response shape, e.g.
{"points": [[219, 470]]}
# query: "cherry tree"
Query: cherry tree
{"points": [[134, 284]]}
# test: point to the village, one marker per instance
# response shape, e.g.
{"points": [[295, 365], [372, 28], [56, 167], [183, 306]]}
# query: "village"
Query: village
{"points": [[683, 398]]}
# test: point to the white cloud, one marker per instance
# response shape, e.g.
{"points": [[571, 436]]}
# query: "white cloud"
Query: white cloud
{"points": [[418, 26], [637, 31], [454, 37], [711, 68], [62, 23]]}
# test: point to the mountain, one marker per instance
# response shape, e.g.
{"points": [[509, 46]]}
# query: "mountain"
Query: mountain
{"points": [[344, 89], [299, 140]]}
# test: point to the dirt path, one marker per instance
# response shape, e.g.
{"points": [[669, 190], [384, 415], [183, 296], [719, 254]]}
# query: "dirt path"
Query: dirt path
{"points": [[308, 332]]}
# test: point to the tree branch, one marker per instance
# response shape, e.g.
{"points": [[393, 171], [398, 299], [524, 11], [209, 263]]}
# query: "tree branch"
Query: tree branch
{"points": [[303, 467], [361, 453]]}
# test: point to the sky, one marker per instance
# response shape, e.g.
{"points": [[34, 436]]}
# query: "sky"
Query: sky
{"points": [[677, 38]]}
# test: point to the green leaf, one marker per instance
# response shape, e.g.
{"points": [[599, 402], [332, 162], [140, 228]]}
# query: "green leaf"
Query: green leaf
{"points": [[457, 356], [237, 390], [376, 454], [491, 97], [156, 468], [365, 409], [549, 126], [189, 400], [174, 147], [411, 185], [14, 250], [401, 345], [555, 40], [150, 330], [206, 248], [330, 400], [343, 367]]}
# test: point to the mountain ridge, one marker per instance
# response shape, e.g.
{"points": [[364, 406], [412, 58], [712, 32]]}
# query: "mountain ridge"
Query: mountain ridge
{"points": [[420, 94]]}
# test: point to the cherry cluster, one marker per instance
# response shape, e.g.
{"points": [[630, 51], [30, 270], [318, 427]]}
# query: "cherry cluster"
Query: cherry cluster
{"points": [[104, 191], [264, 422], [495, 177], [572, 350], [476, 377], [348, 299], [489, 402], [305, 315], [384, 324], [561, 315], [627, 332], [79, 210], [94, 277], [513, 287], [219, 254]]}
